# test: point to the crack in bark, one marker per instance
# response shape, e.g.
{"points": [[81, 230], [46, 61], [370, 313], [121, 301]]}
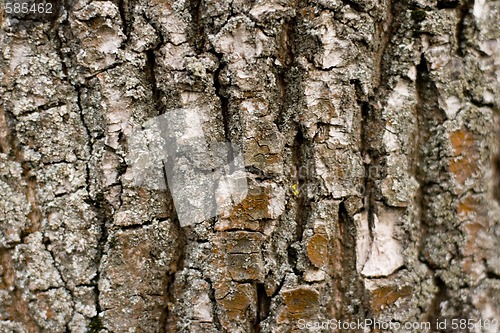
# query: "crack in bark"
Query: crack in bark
{"points": [[99, 203], [354, 5], [211, 296], [441, 295], [87, 132], [367, 136], [122, 4], [157, 95], [355, 306], [387, 28], [46, 243], [59, 42], [463, 12], [287, 76], [198, 36], [299, 158], [224, 101], [181, 253], [263, 306], [103, 211], [225, 109], [428, 117]]}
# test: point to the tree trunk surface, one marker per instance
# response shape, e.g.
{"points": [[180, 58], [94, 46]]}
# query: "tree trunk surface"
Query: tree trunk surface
{"points": [[369, 131]]}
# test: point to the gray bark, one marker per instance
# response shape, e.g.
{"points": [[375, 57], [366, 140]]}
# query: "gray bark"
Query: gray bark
{"points": [[369, 131]]}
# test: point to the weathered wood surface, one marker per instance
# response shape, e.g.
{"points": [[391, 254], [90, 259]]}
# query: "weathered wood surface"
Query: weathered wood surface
{"points": [[370, 135]]}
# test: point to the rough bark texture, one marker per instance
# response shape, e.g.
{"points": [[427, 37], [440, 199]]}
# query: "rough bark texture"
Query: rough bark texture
{"points": [[370, 133]]}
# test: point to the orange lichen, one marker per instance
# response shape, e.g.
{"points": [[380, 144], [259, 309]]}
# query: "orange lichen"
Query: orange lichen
{"points": [[388, 295], [461, 141], [237, 303], [473, 229], [300, 302], [468, 205], [317, 250], [249, 213], [254, 205], [464, 164]]}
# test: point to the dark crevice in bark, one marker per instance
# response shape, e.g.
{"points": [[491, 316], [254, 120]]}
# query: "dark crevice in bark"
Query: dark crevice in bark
{"points": [[300, 190], [87, 133], [288, 78], [179, 250], [367, 136], [45, 107], [290, 95], [243, 229], [139, 226], [353, 307], [263, 306], [444, 4], [159, 32], [421, 136], [354, 5], [225, 110], [435, 309], [46, 243], [284, 118], [95, 73], [157, 95], [99, 203], [60, 44], [421, 202], [463, 15], [479, 103], [103, 210], [197, 33], [293, 257], [386, 29], [224, 100], [496, 163], [492, 275], [261, 176], [211, 296], [369, 178], [432, 181], [429, 117], [121, 169], [123, 8]]}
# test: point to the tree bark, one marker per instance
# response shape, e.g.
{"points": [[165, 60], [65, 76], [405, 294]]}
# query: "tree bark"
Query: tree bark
{"points": [[369, 131]]}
